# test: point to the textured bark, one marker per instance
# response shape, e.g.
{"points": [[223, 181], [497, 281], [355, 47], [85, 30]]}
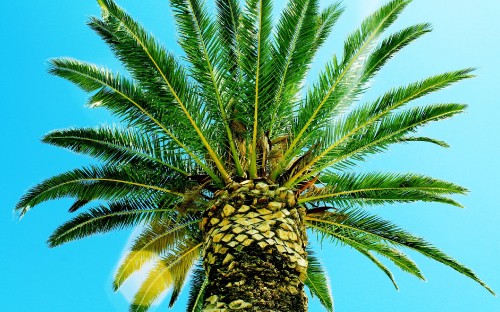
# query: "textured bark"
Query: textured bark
{"points": [[254, 250]]}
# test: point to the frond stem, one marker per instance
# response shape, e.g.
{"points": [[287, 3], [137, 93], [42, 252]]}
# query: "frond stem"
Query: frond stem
{"points": [[253, 156]]}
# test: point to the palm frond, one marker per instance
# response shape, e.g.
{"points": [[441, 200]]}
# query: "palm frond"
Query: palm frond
{"points": [[422, 139], [144, 57], [379, 264], [158, 237], [126, 100], [317, 281], [255, 43], [356, 123], [116, 145], [324, 24], [365, 245], [390, 46], [228, 18], [103, 219], [388, 130], [344, 190], [117, 93], [368, 114], [205, 53], [360, 224], [362, 243], [294, 39], [107, 183], [78, 204], [168, 271], [199, 282], [339, 84], [391, 128]]}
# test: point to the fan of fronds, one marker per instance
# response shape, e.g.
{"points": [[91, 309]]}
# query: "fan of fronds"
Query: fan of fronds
{"points": [[240, 110]]}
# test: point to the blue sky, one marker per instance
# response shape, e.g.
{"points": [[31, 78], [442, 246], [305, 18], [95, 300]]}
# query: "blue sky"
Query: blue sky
{"points": [[77, 276]]}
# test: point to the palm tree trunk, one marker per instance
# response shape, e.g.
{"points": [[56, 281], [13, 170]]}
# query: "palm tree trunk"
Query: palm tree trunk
{"points": [[254, 250]]}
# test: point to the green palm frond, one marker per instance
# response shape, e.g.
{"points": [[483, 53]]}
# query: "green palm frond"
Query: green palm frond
{"points": [[360, 223], [144, 57], [228, 18], [168, 271], [317, 281], [199, 282], [158, 237], [108, 183], [116, 145], [358, 122], [362, 243], [254, 33], [203, 49], [339, 83], [295, 69], [388, 130], [343, 190], [368, 114], [296, 44], [117, 93], [294, 40], [197, 37], [391, 128], [365, 245], [78, 204], [422, 139], [390, 46], [379, 264], [324, 24], [103, 219], [125, 99]]}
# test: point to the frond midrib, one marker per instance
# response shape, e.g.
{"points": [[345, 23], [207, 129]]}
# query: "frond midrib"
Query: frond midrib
{"points": [[253, 156], [312, 198]]}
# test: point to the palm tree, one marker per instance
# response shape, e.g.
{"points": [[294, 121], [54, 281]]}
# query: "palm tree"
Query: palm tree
{"points": [[224, 163]]}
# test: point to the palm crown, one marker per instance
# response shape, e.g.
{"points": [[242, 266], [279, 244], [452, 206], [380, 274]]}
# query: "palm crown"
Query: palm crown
{"points": [[240, 112]]}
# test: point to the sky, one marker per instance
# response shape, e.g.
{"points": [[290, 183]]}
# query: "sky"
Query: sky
{"points": [[77, 276]]}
